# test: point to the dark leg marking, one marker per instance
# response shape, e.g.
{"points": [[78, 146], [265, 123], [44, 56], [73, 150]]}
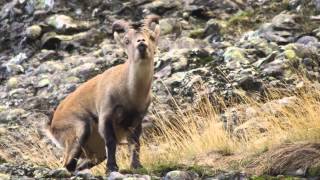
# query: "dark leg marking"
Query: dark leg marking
{"points": [[134, 147], [111, 146]]}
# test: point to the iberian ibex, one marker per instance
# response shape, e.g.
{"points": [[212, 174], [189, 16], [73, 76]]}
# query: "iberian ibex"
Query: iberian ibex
{"points": [[90, 122]]}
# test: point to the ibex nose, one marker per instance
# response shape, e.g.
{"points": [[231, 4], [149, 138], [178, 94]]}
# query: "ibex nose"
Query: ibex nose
{"points": [[142, 47]]}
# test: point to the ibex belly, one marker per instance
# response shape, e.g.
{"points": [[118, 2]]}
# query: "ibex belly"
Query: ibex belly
{"points": [[125, 122]]}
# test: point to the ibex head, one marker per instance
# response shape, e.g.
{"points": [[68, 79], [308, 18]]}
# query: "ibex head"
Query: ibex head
{"points": [[140, 39]]}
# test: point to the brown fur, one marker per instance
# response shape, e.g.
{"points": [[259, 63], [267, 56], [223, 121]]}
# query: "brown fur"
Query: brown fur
{"points": [[109, 107]]}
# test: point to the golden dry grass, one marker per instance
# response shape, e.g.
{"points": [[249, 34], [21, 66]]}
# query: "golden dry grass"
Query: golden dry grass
{"points": [[198, 130], [25, 145]]}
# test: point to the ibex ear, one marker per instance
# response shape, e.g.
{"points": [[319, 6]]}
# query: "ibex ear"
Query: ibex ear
{"points": [[157, 33], [118, 39]]}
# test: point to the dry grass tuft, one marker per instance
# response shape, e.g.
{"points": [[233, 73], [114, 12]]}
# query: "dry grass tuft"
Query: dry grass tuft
{"points": [[288, 158], [198, 130]]}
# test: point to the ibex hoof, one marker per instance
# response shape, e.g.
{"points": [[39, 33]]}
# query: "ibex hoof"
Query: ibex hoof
{"points": [[136, 166], [112, 169]]}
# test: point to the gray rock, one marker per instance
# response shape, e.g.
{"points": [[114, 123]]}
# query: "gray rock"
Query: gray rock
{"points": [[43, 83], [170, 26], [50, 67], [317, 4], [274, 68], [249, 83], [11, 115], [305, 40], [18, 93], [84, 70], [115, 176], [18, 59], [285, 21], [181, 175], [45, 55], [175, 79], [197, 33], [266, 60], [229, 175], [162, 7], [85, 174], [212, 29], [164, 72], [301, 172], [7, 9], [66, 23], [13, 69], [284, 28], [235, 57], [32, 6], [59, 173], [53, 41]]}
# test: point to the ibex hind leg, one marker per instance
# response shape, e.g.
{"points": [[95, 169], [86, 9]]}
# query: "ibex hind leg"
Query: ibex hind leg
{"points": [[74, 145], [94, 152]]}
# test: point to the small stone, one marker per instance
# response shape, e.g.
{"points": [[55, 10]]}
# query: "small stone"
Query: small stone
{"points": [[84, 70], [298, 172], [180, 175], [85, 174], [185, 15], [18, 93], [66, 23], [51, 67], [234, 57], [18, 59], [175, 79], [115, 176], [59, 173], [33, 31], [43, 83], [305, 40], [11, 115], [248, 83], [164, 72], [317, 4], [212, 28], [285, 21], [12, 83], [41, 173], [161, 7], [167, 26], [72, 79], [2, 108], [197, 33]]}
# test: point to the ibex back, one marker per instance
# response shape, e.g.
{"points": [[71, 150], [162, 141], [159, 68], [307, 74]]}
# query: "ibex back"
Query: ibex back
{"points": [[90, 122]]}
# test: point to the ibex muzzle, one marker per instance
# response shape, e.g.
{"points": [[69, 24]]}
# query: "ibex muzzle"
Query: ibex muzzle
{"points": [[90, 122]]}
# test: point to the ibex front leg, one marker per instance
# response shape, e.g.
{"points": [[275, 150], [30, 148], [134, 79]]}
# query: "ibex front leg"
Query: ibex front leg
{"points": [[107, 131], [134, 147]]}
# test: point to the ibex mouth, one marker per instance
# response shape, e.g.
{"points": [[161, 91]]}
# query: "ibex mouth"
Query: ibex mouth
{"points": [[142, 47]]}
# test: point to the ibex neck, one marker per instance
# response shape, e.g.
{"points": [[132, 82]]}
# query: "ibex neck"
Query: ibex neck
{"points": [[140, 74]]}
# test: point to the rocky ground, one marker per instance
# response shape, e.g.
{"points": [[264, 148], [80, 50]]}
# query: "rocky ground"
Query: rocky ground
{"points": [[220, 48]]}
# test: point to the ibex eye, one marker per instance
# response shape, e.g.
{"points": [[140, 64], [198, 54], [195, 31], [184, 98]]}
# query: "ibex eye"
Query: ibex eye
{"points": [[126, 41]]}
